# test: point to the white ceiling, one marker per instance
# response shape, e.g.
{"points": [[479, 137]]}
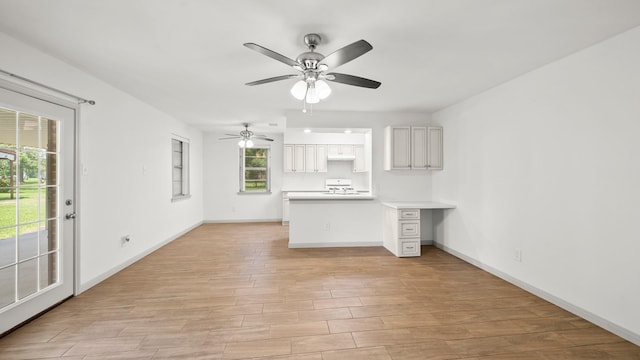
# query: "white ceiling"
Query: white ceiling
{"points": [[186, 58]]}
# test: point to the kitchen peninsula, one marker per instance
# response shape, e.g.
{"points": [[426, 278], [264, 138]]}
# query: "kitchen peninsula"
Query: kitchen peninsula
{"points": [[321, 219]]}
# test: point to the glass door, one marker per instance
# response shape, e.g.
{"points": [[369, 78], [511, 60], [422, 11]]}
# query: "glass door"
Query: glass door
{"points": [[36, 206]]}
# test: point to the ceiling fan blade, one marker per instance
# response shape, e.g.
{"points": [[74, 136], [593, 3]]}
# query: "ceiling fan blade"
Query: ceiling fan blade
{"points": [[353, 80], [272, 54], [276, 78], [231, 137], [262, 137], [346, 54]]}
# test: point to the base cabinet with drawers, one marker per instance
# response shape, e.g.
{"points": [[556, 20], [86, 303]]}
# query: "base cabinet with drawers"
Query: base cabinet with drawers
{"points": [[401, 234]]}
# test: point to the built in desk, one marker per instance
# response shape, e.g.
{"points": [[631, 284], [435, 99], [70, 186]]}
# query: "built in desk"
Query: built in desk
{"points": [[402, 225]]}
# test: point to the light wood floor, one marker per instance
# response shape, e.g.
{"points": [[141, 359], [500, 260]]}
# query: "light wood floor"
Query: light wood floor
{"points": [[235, 291]]}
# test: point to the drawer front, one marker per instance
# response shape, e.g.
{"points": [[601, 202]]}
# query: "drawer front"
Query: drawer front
{"points": [[409, 229], [410, 248], [410, 214]]}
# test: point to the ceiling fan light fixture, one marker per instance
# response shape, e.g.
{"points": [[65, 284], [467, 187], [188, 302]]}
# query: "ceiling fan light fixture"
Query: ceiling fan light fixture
{"points": [[241, 143], [299, 89], [249, 143], [312, 95], [322, 89]]}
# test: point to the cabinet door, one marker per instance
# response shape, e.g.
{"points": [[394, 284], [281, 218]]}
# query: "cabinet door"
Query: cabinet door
{"points": [[340, 149], [298, 158], [419, 148], [346, 149], [397, 148], [359, 164], [310, 158], [321, 158], [333, 149], [434, 150], [288, 165]]}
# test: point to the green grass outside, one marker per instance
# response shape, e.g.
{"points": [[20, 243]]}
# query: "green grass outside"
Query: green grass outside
{"points": [[252, 185], [28, 210]]}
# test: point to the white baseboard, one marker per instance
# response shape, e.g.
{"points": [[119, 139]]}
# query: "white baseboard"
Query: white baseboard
{"points": [[104, 276], [229, 221], [587, 315], [333, 245]]}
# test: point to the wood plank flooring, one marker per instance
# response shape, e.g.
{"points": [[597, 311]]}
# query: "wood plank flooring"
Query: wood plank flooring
{"points": [[235, 291]]}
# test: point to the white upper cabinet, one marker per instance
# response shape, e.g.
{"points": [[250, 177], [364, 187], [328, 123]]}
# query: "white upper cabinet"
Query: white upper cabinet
{"points": [[397, 143], [419, 148], [360, 162], [287, 165], [315, 158], [294, 158], [413, 148], [434, 153], [337, 150]]}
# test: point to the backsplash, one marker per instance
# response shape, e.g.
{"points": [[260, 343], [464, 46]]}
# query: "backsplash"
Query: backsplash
{"points": [[315, 181]]}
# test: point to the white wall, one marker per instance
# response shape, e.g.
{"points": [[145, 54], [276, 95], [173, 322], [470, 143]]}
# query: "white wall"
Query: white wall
{"points": [[387, 185], [548, 164], [221, 183], [118, 137]]}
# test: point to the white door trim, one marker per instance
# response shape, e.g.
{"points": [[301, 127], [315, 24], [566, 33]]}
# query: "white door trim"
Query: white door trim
{"points": [[32, 92]]}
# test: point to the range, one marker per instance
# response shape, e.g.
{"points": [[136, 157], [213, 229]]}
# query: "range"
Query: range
{"points": [[339, 186]]}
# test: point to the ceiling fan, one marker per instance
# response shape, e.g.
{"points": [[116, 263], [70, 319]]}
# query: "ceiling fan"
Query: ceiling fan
{"points": [[313, 66], [246, 137]]}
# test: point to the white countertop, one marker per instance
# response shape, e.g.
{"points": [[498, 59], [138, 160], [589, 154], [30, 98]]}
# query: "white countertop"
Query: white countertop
{"points": [[401, 205], [308, 195]]}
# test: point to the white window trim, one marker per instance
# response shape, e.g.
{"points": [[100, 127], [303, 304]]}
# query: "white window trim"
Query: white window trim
{"points": [[186, 190], [241, 172]]}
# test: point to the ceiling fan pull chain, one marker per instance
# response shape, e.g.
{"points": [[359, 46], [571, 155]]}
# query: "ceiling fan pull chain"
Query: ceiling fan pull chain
{"points": [[304, 100]]}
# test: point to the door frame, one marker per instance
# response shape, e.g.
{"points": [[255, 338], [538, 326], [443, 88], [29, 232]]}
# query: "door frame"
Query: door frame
{"points": [[31, 91]]}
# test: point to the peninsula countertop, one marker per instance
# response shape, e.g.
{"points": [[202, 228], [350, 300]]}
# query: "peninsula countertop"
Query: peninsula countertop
{"points": [[316, 195]]}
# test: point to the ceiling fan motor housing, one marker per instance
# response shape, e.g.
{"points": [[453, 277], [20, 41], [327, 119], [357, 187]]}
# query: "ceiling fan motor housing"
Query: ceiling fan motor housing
{"points": [[312, 40], [310, 60]]}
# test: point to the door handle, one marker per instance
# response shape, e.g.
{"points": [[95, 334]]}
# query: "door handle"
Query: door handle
{"points": [[70, 216]]}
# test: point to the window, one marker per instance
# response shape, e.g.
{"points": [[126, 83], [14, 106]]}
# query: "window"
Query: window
{"points": [[180, 168], [255, 170]]}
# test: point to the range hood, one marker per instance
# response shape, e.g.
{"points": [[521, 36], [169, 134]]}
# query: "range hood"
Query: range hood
{"points": [[341, 157]]}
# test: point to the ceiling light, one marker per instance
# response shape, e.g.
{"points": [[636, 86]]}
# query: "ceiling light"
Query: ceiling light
{"points": [[245, 143], [307, 131], [347, 131], [299, 90], [312, 95], [310, 90], [323, 89]]}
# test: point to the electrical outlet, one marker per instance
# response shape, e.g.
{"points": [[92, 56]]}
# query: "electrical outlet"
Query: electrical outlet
{"points": [[517, 255], [327, 226], [125, 240]]}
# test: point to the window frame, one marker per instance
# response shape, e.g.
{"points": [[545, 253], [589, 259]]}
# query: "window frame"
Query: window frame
{"points": [[242, 169], [183, 167]]}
